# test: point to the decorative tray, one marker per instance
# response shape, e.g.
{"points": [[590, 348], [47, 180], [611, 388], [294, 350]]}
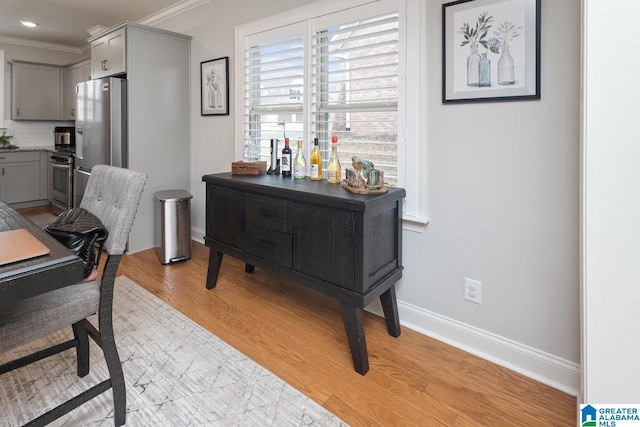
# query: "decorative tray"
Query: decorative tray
{"points": [[363, 189]]}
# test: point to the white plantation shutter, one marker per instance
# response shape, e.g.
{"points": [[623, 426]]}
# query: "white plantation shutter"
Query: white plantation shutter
{"points": [[355, 91], [274, 93], [333, 74]]}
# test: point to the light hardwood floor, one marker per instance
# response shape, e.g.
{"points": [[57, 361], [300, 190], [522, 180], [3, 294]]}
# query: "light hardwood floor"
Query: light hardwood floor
{"points": [[298, 335]]}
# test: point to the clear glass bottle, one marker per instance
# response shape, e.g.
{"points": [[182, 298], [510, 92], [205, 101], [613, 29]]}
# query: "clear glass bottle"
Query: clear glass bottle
{"points": [[315, 162], [300, 163], [285, 161], [473, 67], [334, 171], [506, 67]]}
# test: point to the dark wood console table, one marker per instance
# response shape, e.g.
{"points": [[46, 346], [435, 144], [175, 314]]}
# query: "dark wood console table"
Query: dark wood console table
{"points": [[347, 246]]}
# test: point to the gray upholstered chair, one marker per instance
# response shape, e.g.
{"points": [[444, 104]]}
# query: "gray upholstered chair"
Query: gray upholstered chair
{"points": [[113, 195]]}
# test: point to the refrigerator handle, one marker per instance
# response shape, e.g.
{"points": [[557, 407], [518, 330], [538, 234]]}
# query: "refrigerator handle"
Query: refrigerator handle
{"points": [[79, 143], [78, 187]]}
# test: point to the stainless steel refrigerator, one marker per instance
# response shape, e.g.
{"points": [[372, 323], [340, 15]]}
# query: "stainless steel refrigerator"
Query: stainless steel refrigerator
{"points": [[101, 128]]}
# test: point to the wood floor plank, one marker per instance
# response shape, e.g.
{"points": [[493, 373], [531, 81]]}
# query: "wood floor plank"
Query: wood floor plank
{"points": [[356, 417]]}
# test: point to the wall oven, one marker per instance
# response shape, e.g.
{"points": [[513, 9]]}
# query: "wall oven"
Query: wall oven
{"points": [[61, 181]]}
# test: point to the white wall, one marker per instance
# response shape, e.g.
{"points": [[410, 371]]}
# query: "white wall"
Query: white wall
{"points": [[503, 190], [611, 205]]}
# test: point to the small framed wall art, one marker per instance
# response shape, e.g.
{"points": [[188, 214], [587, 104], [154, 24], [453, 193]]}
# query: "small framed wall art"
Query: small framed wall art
{"points": [[490, 50], [214, 87]]}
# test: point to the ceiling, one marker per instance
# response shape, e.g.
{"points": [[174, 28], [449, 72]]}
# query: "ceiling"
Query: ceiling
{"points": [[66, 22]]}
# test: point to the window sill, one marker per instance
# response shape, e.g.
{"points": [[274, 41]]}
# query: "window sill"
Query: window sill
{"points": [[415, 224]]}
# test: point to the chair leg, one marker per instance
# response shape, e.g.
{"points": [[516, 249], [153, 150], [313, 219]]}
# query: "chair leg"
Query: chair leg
{"points": [[82, 349], [115, 373], [107, 341]]}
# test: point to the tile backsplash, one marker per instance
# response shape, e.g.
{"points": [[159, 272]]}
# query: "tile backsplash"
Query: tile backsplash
{"points": [[33, 133]]}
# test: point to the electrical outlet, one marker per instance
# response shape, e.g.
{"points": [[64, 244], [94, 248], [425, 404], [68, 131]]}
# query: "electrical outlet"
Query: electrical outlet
{"points": [[473, 290]]}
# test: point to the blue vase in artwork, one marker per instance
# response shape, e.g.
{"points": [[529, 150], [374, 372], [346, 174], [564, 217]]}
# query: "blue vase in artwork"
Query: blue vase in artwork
{"points": [[473, 67], [484, 71]]}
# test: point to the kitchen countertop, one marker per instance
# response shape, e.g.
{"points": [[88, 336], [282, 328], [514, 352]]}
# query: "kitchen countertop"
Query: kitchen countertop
{"points": [[49, 148]]}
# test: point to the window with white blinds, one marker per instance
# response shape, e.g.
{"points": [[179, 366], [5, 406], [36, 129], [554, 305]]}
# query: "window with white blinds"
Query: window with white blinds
{"points": [[274, 94], [348, 71], [355, 91]]}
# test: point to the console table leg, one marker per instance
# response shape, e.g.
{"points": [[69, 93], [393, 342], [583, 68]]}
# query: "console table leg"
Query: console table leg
{"points": [[352, 317], [390, 309], [215, 261], [248, 268]]}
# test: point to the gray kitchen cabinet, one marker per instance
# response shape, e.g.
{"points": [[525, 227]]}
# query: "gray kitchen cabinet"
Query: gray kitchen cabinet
{"points": [[44, 175], [86, 70], [36, 91], [108, 54], [20, 179], [72, 75], [2, 94]]}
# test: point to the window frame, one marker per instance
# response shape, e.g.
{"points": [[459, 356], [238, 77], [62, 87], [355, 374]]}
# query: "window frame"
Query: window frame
{"points": [[412, 164]]}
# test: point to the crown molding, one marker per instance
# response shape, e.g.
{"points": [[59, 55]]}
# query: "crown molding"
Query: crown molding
{"points": [[171, 11], [41, 45]]}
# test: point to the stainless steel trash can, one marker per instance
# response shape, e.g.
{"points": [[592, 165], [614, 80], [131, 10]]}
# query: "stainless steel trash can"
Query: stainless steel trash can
{"points": [[173, 226]]}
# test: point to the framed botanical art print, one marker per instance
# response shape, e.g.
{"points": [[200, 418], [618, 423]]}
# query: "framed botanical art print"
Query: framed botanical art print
{"points": [[490, 50], [214, 87]]}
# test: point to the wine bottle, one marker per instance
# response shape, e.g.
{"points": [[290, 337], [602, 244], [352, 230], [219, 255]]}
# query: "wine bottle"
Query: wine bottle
{"points": [[315, 162], [299, 163], [274, 169], [285, 161], [334, 171]]}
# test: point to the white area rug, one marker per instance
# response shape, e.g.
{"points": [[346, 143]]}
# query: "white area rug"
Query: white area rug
{"points": [[177, 374]]}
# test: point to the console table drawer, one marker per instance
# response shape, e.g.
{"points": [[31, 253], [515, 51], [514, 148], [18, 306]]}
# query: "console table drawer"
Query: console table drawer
{"points": [[269, 244], [268, 212]]}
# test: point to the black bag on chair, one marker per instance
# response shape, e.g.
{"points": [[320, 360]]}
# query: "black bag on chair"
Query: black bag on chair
{"points": [[80, 231]]}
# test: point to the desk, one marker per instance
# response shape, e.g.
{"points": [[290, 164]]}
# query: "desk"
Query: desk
{"points": [[24, 279], [347, 246]]}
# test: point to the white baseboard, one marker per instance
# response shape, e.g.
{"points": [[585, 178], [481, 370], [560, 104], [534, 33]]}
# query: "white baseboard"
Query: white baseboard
{"points": [[197, 234], [546, 368]]}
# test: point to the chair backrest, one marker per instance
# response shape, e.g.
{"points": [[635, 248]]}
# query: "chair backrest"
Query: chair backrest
{"points": [[113, 195]]}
